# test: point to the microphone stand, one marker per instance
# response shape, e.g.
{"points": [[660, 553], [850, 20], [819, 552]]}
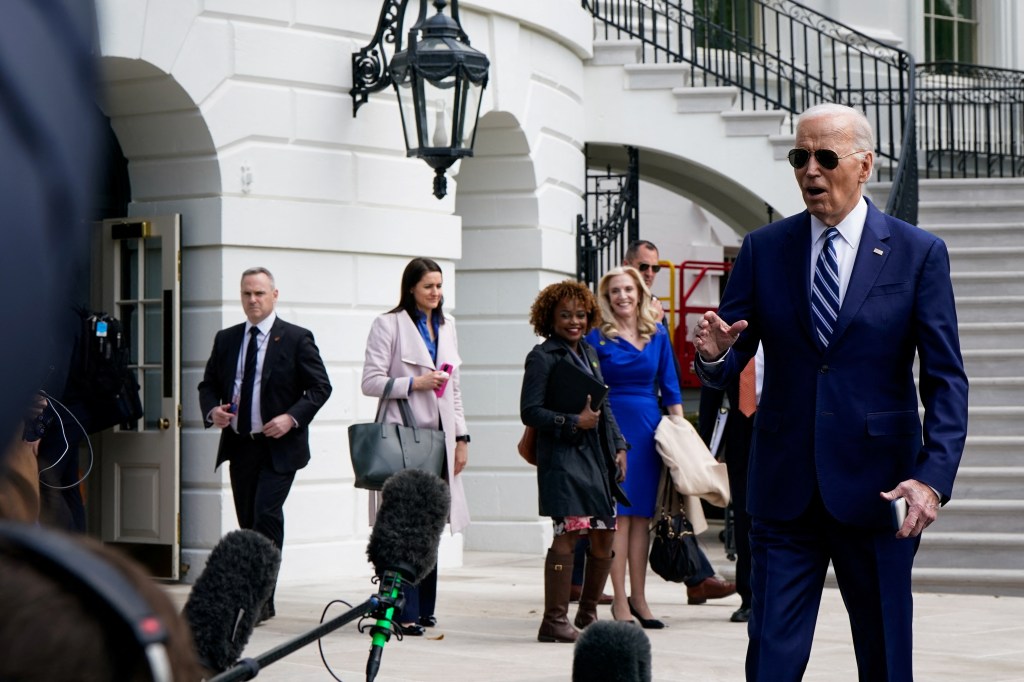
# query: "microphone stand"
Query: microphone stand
{"points": [[248, 668]]}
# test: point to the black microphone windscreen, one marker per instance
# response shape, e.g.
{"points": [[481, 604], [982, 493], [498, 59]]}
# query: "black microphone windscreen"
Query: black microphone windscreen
{"points": [[413, 510], [226, 601], [611, 651]]}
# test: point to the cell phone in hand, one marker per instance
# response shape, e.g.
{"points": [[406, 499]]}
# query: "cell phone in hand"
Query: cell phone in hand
{"points": [[899, 512], [445, 367]]}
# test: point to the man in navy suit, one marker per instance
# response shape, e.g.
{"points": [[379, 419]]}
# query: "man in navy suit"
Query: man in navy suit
{"points": [[837, 434], [264, 418]]}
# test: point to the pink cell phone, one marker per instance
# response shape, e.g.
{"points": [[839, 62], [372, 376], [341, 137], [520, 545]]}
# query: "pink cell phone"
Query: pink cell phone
{"points": [[445, 367]]}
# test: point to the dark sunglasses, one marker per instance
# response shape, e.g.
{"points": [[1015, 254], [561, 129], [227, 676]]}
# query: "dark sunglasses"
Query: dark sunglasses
{"points": [[826, 158], [644, 267]]}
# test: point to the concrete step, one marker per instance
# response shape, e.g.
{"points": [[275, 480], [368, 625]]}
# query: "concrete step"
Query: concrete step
{"points": [[989, 308], [1005, 582], [985, 450], [970, 189], [989, 483], [995, 392], [616, 52], [970, 550], [957, 189], [704, 100], [997, 420], [753, 123], [951, 212], [993, 362], [1004, 334], [979, 234], [657, 76], [985, 258], [1010, 283], [982, 517]]}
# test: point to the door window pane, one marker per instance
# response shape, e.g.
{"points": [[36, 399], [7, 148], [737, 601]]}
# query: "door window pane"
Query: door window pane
{"points": [[154, 268], [130, 322], [129, 269], [153, 336], [152, 393]]}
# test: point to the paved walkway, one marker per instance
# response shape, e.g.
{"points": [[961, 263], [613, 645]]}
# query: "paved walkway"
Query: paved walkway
{"points": [[489, 610]]}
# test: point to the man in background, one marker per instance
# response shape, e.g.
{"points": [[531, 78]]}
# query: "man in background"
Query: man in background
{"points": [[739, 400], [264, 383]]}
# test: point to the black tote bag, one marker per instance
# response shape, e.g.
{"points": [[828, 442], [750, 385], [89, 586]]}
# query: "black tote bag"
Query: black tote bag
{"points": [[380, 449]]}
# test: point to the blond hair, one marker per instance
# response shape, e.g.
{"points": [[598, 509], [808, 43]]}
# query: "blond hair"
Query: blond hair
{"points": [[646, 326]]}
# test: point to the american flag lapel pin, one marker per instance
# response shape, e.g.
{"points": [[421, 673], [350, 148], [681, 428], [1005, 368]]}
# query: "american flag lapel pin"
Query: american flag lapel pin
{"points": [[878, 252]]}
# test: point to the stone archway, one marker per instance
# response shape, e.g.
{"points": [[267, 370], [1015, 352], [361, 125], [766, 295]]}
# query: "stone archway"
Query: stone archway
{"points": [[162, 133]]}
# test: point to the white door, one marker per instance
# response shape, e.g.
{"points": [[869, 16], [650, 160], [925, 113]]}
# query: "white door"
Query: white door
{"points": [[141, 463]]}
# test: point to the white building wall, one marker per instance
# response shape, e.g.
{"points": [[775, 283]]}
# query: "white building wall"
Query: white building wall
{"points": [[237, 115]]}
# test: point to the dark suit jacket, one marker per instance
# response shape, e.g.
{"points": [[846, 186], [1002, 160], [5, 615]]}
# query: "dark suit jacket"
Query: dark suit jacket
{"points": [[293, 380], [845, 420], [575, 467]]}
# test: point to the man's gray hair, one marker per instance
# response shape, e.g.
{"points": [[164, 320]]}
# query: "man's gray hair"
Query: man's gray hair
{"points": [[260, 271], [863, 134]]}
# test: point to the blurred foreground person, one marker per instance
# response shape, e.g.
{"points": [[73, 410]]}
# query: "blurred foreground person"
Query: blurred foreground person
{"points": [[69, 605]]}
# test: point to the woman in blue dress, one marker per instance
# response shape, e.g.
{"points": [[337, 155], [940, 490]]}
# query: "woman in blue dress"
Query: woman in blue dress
{"points": [[637, 364]]}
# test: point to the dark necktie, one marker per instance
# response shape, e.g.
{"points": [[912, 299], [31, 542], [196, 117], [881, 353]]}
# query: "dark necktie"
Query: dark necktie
{"points": [[248, 381], [825, 289]]}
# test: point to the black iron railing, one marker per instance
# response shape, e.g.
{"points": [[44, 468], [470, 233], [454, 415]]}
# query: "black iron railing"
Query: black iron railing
{"points": [[611, 220], [970, 120], [783, 56]]}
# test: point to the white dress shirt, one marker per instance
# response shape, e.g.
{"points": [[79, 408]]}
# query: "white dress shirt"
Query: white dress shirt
{"points": [[850, 230], [261, 352]]}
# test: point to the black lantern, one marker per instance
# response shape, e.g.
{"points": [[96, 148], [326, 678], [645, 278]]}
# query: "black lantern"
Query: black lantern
{"points": [[439, 78]]}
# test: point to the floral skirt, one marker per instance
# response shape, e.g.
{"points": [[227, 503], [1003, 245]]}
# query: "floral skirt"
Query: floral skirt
{"points": [[571, 524]]}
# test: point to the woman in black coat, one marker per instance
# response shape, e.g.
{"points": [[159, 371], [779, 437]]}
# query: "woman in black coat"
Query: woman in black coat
{"points": [[580, 457]]}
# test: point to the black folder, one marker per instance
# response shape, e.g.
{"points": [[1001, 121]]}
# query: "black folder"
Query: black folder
{"points": [[568, 388]]}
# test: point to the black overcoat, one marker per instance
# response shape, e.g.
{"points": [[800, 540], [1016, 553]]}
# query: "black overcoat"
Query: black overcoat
{"points": [[575, 467]]}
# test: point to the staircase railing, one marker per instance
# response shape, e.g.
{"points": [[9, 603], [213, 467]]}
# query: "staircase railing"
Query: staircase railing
{"points": [[784, 56], [971, 120], [611, 219]]}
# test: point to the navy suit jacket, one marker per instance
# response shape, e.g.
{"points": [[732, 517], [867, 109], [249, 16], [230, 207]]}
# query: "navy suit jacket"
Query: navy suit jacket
{"points": [[293, 380], [844, 420]]}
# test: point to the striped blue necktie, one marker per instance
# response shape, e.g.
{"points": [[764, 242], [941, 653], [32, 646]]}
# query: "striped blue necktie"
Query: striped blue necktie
{"points": [[825, 289]]}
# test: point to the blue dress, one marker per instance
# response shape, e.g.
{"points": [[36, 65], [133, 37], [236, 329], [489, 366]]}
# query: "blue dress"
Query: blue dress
{"points": [[634, 378]]}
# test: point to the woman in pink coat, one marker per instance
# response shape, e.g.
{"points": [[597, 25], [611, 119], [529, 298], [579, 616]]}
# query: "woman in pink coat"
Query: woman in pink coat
{"points": [[410, 344]]}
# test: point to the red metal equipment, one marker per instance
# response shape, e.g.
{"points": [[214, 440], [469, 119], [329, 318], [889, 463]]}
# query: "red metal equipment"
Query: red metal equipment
{"points": [[682, 344]]}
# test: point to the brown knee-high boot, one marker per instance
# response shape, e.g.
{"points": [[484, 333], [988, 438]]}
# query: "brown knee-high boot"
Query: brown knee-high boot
{"points": [[557, 581], [594, 578]]}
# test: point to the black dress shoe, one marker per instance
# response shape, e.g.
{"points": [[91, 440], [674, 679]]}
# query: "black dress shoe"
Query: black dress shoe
{"points": [[740, 615], [412, 630], [645, 623], [427, 621]]}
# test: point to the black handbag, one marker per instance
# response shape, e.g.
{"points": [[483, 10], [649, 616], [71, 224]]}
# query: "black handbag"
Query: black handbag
{"points": [[380, 449], [675, 555]]}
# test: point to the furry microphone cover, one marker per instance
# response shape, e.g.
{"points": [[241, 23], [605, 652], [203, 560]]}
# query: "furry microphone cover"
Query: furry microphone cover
{"points": [[226, 601], [413, 510], [610, 651]]}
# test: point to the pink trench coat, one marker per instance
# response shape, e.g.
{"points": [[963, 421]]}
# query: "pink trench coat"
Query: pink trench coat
{"points": [[395, 349]]}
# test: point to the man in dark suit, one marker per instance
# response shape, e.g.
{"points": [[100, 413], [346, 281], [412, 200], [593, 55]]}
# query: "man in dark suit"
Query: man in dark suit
{"points": [[735, 444], [843, 298], [264, 383]]}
